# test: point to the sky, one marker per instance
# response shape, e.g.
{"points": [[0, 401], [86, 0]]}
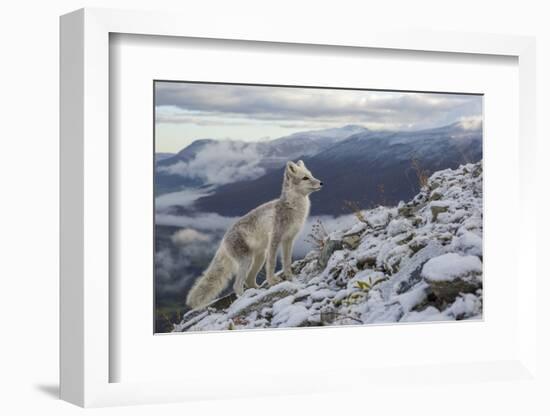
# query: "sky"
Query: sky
{"points": [[185, 112]]}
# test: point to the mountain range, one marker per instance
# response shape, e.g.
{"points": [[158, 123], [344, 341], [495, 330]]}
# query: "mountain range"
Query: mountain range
{"points": [[357, 165], [183, 169]]}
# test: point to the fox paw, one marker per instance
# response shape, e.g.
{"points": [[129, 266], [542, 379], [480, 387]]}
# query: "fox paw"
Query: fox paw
{"points": [[287, 276], [271, 281], [238, 289], [253, 286]]}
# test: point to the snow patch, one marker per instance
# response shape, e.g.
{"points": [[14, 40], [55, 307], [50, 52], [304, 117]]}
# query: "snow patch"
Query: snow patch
{"points": [[451, 266]]}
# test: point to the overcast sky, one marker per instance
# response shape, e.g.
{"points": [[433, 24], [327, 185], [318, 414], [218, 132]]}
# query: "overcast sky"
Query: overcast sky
{"points": [[189, 111]]}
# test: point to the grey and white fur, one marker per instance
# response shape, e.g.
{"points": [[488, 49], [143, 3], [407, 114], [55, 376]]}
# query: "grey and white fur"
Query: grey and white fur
{"points": [[255, 239]]}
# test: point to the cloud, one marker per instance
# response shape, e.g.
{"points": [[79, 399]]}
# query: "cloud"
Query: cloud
{"points": [[170, 272], [471, 122], [184, 198], [203, 222], [189, 235], [219, 104], [176, 269], [220, 163], [181, 259]]}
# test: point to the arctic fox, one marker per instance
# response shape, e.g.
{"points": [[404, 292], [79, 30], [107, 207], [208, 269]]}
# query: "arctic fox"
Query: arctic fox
{"points": [[256, 237]]}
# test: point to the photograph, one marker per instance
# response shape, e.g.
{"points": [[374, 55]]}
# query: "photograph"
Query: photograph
{"points": [[282, 206]]}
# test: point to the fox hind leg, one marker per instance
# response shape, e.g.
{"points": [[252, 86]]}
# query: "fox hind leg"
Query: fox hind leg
{"points": [[240, 251], [244, 265]]}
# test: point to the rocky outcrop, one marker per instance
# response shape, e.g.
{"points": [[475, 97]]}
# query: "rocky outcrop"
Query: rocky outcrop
{"points": [[419, 261]]}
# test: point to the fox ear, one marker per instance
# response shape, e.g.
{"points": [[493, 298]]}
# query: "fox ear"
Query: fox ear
{"points": [[301, 164], [291, 167]]}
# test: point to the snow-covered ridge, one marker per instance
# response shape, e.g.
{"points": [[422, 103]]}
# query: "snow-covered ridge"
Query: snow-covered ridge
{"points": [[419, 261]]}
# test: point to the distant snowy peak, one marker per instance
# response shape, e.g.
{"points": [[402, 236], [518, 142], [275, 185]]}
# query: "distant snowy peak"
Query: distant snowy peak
{"points": [[195, 147], [469, 128], [186, 154], [309, 143], [162, 155], [336, 133]]}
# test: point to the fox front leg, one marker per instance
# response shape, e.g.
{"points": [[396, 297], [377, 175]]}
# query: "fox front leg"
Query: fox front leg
{"points": [[257, 264], [287, 257], [272, 260]]}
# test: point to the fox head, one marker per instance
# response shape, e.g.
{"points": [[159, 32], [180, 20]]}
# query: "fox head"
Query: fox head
{"points": [[299, 179]]}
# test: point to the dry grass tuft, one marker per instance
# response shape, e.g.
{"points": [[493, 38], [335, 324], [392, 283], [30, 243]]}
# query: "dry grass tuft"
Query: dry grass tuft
{"points": [[356, 210], [421, 174]]}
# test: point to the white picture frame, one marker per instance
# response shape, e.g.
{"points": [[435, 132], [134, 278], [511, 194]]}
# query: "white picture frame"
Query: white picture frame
{"points": [[85, 212]]}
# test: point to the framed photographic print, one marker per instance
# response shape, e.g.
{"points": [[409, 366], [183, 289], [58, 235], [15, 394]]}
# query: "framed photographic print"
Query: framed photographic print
{"points": [[317, 201], [374, 200]]}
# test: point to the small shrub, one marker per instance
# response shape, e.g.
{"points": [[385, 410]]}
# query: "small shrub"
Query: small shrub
{"points": [[367, 286], [318, 235]]}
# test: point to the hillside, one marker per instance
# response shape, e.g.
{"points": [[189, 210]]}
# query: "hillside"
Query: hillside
{"points": [[418, 261]]}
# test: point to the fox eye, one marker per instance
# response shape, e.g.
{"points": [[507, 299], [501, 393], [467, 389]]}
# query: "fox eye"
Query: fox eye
{"points": [[305, 178]]}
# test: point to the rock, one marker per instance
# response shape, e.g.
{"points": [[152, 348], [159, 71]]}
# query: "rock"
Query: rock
{"points": [[447, 290], [391, 262], [416, 221], [430, 300], [358, 228], [450, 274], [190, 319], [469, 243], [418, 244], [436, 196], [366, 261], [299, 265], [262, 300], [406, 211], [328, 314], [334, 273], [412, 280], [445, 237], [398, 226], [405, 238], [352, 241], [223, 302], [478, 170], [419, 199], [328, 248], [378, 218], [437, 209], [343, 275], [434, 184]]}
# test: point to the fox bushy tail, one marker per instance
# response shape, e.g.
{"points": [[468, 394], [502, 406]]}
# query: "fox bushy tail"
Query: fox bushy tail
{"points": [[213, 281]]}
